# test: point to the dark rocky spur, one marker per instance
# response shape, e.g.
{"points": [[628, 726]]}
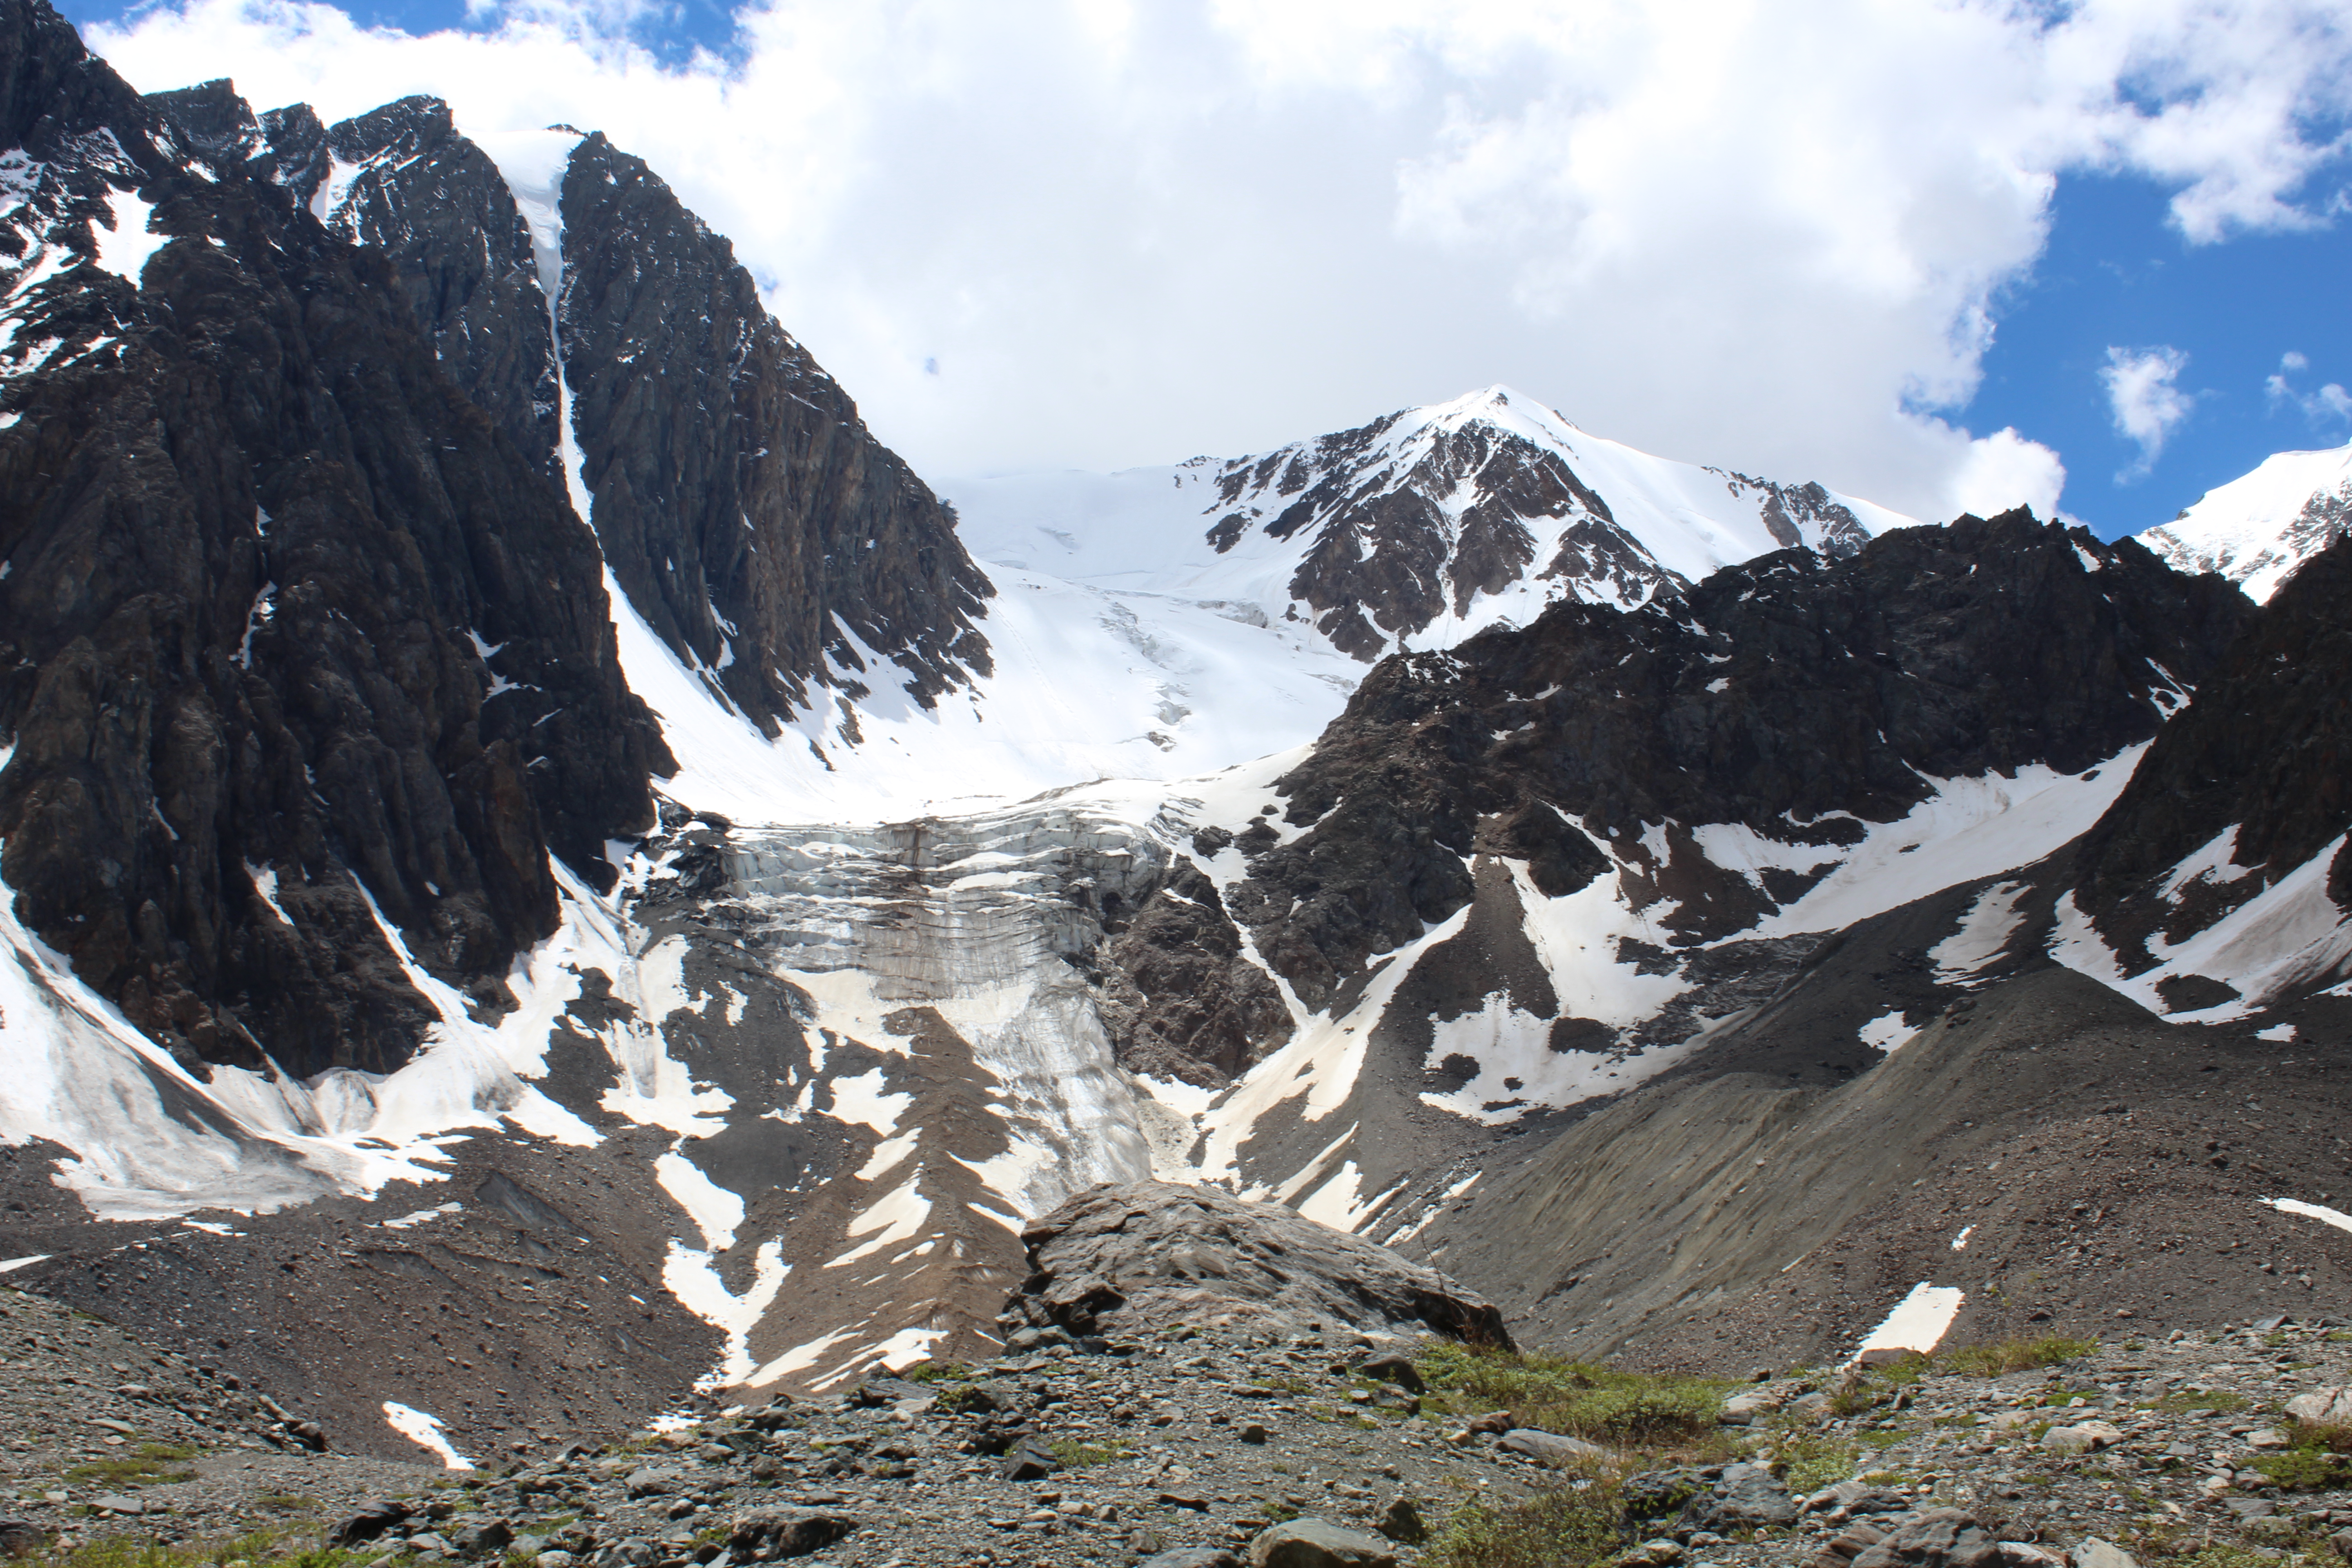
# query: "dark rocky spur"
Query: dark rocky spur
{"points": [[256, 539]]}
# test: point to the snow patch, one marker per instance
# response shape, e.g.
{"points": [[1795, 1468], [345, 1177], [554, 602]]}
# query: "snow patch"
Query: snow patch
{"points": [[123, 249], [692, 1276], [1918, 1321], [1886, 1032], [715, 1211], [1984, 932], [2288, 936], [426, 1432], [2319, 1212], [1966, 828]]}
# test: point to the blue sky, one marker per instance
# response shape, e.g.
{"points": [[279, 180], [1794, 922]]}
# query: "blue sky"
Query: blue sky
{"points": [[1758, 234], [2118, 275]]}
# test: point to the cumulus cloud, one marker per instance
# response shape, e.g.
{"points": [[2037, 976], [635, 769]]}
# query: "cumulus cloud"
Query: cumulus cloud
{"points": [[1094, 233], [2145, 399], [2331, 404]]}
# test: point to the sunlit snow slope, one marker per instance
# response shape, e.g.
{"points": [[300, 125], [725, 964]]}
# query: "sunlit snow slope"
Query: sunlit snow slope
{"points": [[1412, 531], [1140, 631], [2257, 528]]}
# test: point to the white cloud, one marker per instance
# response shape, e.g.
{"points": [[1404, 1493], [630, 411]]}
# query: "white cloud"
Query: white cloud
{"points": [[2331, 404], [2004, 469], [2145, 399], [1091, 233]]}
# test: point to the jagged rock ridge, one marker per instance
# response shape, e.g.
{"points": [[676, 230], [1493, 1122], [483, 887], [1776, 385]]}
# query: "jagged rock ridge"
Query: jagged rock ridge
{"points": [[258, 549], [751, 518]]}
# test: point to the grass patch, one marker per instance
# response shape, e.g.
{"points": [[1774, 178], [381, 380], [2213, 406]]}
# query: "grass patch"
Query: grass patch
{"points": [[2002, 1357], [1573, 1526], [2319, 1458], [1597, 1403], [937, 1372], [2223, 1555], [150, 1464], [283, 1546], [1076, 1455], [1814, 1459], [2334, 1437]]}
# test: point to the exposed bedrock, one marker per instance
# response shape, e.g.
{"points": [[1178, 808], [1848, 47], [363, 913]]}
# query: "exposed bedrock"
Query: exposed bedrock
{"points": [[2260, 768], [256, 544], [1794, 699], [753, 521], [1151, 1255]]}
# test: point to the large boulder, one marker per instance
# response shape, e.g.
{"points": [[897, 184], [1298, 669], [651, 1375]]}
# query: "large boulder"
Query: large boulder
{"points": [[1117, 1258]]}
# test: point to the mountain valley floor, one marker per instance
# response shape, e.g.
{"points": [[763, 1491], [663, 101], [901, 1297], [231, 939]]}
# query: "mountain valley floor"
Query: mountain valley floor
{"points": [[2227, 1448]]}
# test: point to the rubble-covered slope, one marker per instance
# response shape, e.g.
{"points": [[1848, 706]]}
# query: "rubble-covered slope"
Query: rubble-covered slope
{"points": [[2128, 1056]]}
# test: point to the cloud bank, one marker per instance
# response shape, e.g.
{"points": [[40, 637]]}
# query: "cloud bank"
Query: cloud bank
{"points": [[1092, 234]]}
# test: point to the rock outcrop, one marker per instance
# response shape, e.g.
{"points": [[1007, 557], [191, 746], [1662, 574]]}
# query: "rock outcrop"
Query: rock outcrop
{"points": [[2259, 769], [1117, 1257], [752, 520], [297, 661]]}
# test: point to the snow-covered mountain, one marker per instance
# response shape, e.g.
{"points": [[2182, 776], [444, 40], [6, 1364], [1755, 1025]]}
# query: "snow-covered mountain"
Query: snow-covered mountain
{"points": [[1163, 624], [1412, 531], [492, 818], [2257, 528]]}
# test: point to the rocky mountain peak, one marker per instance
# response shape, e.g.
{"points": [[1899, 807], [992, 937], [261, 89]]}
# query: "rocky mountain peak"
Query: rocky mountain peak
{"points": [[748, 516], [1418, 528], [264, 783], [2258, 528]]}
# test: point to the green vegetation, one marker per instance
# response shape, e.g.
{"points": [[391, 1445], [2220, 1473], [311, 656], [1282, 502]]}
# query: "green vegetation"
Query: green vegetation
{"points": [[2334, 1437], [150, 1464], [2004, 1356], [1573, 1526], [289, 1545], [2221, 1555], [937, 1372], [1076, 1455], [1814, 1459], [1597, 1403], [2317, 1456]]}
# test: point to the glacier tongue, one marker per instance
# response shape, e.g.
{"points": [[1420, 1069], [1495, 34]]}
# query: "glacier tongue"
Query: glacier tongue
{"points": [[977, 919]]}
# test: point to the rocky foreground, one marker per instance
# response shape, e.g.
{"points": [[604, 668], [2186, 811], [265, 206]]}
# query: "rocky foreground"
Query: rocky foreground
{"points": [[1237, 1427]]}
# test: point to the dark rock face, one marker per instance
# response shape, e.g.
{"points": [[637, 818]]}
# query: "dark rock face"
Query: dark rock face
{"points": [[255, 540], [1180, 999], [752, 520], [2266, 749], [435, 204], [741, 502], [1120, 1258], [1788, 695]]}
